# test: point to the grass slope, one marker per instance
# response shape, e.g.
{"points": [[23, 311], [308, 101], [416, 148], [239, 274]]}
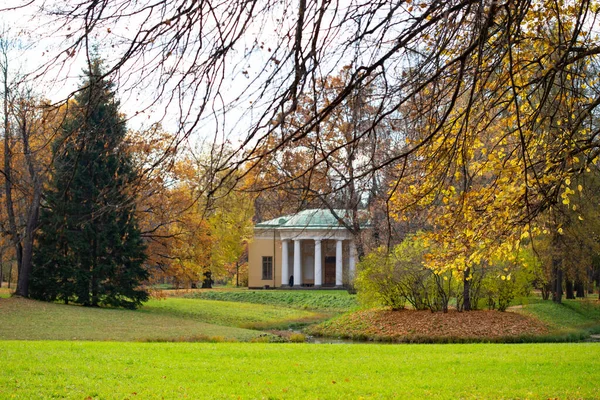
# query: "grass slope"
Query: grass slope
{"points": [[565, 315], [241, 315], [170, 319], [93, 370], [573, 319], [329, 300]]}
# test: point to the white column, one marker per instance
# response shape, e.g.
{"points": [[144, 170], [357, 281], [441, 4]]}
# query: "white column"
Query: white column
{"points": [[297, 264], [352, 261], [318, 267], [338, 263], [285, 276]]}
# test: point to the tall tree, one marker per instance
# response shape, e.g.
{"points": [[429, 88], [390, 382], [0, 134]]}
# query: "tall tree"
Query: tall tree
{"points": [[89, 249], [345, 177], [488, 163], [29, 125]]}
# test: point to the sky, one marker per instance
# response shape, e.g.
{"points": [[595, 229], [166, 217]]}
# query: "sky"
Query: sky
{"points": [[250, 63], [31, 55], [37, 41]]}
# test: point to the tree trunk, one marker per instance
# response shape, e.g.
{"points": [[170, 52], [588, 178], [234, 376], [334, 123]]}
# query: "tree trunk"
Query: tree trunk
{"points": [[570, 289], [557, 286], [579, 289], [12, 224], [467, 290], [557, 273], [546, 290], [30, 228], [33, 212], [590, 281]]}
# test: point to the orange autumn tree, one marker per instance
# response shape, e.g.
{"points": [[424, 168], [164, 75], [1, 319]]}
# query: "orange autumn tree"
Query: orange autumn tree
{"points": [[492, 156], [169, 208], [192, 235], [30, 126], [333, 163], [230, 222]]}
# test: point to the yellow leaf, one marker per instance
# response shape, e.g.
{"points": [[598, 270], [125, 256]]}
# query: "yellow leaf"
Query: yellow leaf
{"points": [[579, 187], [560, 230], [580, 217]]}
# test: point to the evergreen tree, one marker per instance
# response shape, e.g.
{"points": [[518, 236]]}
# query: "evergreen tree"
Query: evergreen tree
{"points": [[89, 248]]}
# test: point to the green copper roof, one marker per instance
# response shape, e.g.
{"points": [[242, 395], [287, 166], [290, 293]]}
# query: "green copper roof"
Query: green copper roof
{"points": [[308, 219]]}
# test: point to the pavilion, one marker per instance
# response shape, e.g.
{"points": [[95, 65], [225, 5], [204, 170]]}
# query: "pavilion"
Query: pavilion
{"points": [[312, 247]]}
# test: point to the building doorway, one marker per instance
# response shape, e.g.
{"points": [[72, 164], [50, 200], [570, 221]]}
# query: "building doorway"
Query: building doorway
{"points": [[329, 271]]}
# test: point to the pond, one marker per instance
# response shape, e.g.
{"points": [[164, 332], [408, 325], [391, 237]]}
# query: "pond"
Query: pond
{"points": [[593, 338], [326, 340], [319, 339]]}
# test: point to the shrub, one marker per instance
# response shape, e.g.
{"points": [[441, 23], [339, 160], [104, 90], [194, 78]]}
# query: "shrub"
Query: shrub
{"points": [[376, 282], [503, 281], [297, 338], [261, 339], [399, 277], [396, 278]]}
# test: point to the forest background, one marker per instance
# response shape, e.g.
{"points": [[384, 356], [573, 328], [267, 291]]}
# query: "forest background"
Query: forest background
{"points": [[467, 128]]}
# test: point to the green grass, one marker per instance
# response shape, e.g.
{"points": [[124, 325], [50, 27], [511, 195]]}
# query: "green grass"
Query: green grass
{"points": [[558, 316], [329, 300], [80, 370], [165, 320], [241, 315], [571, 320], [589, 308]]}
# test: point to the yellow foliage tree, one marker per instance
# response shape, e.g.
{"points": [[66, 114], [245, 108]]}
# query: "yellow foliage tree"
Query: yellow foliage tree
{"points": [[496, 153]]}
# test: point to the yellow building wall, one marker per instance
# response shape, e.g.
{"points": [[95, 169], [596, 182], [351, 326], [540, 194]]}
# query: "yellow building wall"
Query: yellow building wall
{"points": [[258, 248]]}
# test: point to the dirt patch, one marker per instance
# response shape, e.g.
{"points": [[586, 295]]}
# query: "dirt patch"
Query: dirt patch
{"points": [[410, 325]]}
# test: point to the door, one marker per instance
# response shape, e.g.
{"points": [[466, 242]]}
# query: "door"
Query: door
{"points": [[329, 271]]}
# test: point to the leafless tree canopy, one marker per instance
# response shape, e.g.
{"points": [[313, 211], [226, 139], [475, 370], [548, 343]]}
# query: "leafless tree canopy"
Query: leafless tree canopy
{"points": [[238, 70]]}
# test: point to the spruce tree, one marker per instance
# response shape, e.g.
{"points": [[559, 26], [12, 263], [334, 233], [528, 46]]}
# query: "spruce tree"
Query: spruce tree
{"points": [[89, 248]]}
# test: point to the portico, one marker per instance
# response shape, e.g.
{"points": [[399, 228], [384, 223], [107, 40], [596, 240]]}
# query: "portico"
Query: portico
{"points": [[308, 249], [310, 261]]}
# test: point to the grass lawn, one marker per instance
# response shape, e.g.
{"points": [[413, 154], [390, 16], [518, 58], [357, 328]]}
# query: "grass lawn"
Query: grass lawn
{"points": [[572, 318], [241, 315], [326, 300], [94, 370], [77, 368], [170, 319]]}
